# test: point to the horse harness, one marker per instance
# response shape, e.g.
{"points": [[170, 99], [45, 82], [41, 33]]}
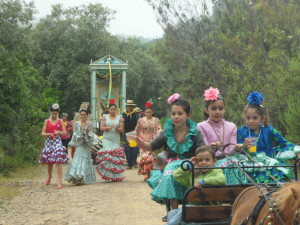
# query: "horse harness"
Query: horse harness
{"points": [[274, 215]]}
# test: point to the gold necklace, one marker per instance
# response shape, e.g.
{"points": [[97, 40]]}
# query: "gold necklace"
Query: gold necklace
{"points": [[149, 125], [222, 142]]}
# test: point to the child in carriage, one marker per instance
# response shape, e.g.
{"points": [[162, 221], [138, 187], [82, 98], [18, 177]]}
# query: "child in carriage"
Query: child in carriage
{"points": [[218, 132], [264, 136], [204, 157]]}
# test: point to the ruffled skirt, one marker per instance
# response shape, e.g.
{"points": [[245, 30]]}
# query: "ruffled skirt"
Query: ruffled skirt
{"points": [[164, 185], [259, 175], [53, 152], [110, 165], [81, 167], [146, 165]]}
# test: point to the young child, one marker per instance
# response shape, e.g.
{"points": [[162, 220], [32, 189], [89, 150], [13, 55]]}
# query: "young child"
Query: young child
{"points": [[216, 131], [54, 151], [66, 139], [204, 157], [180, 139], [266, 136]]}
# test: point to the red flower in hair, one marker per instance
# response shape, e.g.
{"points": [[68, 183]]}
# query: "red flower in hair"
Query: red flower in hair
{"points": [[148, 104], [112, 101]]}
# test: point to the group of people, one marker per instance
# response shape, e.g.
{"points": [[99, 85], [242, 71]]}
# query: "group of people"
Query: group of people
{"points": [[205, 144], [181, 138], [110, 158]]}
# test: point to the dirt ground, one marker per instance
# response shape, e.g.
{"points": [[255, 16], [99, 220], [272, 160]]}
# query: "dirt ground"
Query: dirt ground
{"points": [[105, 203]]}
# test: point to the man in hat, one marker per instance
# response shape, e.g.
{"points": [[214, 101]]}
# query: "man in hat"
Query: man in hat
{"points": [[130, 120]]}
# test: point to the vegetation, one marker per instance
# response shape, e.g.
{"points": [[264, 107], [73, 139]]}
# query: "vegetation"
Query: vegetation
{"points": [[236, 46]]}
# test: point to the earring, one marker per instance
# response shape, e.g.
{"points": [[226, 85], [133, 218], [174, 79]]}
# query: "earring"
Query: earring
{"points": [[262, 124]]}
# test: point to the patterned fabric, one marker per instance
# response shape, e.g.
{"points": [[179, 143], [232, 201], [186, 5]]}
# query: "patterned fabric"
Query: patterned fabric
{"points": [[210, 136], [163, 183], [147, 131], [81, 167], [111, 156], [265, 155], [146, 164], [269, 135], [53, 152]]}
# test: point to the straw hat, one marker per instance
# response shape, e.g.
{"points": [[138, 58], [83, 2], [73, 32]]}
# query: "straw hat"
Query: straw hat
{"points": [[137, 109], [130, 102]]}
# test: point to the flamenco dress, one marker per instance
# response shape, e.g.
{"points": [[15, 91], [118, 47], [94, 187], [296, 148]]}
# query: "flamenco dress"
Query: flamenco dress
{"points": [[81, 167], [112, 156], [265, 155], [162, 182], [268, 155], [147, 130], [54, 151]]}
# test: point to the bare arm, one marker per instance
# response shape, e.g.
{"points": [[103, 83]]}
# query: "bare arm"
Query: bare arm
{"points": [[121, 127]]}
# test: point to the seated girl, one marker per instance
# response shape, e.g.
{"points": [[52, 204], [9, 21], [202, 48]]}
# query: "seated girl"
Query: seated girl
{"points": [[264, 136]]}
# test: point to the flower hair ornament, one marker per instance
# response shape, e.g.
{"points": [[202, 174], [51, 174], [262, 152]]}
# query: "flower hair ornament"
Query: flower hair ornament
{"points": [[112, 101], [211, 94], [255, 98], [54, 107], [173, 97], [148, 105]]}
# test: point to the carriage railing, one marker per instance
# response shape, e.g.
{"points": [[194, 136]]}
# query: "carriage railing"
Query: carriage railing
{"points": [[187, 165]]}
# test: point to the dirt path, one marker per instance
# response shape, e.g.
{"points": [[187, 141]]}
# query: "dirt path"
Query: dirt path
{"points": [[105, 203]]}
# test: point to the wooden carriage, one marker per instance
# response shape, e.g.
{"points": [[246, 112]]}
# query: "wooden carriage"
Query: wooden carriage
{"points": [[203, 213]]}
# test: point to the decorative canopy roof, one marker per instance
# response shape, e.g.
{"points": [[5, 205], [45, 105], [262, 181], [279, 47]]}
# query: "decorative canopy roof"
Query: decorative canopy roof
{"points": [[102, 64]]}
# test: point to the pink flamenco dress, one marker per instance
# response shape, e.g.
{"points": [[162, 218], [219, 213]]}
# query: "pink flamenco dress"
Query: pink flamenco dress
{"points": [[112, 156], [54, 151]]}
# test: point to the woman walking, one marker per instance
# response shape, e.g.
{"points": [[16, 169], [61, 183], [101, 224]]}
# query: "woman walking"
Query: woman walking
{"points": [[147, 129], [81, 170], [54, 151], [111, 156]]}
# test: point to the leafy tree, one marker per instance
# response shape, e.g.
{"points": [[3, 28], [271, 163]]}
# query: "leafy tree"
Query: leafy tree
{"points": [[20, 87], [65, 43]]}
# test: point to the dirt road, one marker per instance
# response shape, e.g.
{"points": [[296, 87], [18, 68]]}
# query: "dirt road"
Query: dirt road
{"points": [[105, 203]]}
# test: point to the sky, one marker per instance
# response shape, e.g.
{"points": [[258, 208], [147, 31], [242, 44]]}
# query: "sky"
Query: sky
{"points": [[132, 18]]}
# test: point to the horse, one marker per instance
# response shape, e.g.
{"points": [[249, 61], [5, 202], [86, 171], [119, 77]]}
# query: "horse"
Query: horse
{"points": [[279, 207]]}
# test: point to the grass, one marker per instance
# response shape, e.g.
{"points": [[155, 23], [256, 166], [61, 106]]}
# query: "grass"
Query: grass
{"points": [[10, 186]]}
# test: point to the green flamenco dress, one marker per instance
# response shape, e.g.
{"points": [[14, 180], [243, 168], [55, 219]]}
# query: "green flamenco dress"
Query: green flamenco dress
{"points": [[162, 182]]}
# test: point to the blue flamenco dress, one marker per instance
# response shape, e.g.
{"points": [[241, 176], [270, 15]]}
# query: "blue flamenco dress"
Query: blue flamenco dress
{"points": [[268, 155], [81, 167], [112, 156], [54, 151], [162, 182]]}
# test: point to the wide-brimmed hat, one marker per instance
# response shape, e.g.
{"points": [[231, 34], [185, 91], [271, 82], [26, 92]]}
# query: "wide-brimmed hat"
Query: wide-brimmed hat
{"points": [[130, 102], [137, 109]]}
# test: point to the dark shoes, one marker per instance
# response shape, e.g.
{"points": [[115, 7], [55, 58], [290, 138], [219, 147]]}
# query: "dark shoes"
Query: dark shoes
{"points": [[164, 219], [129, 167], [135, 166]]}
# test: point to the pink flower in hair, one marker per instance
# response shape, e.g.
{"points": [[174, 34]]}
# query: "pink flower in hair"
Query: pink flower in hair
{"points": [[211, 94], [173, 97]]}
